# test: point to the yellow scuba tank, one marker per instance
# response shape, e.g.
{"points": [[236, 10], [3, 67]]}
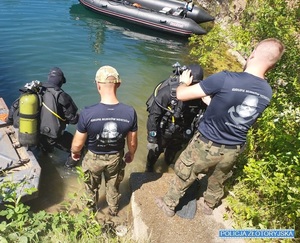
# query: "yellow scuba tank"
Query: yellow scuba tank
{"points": [[29, 114]]}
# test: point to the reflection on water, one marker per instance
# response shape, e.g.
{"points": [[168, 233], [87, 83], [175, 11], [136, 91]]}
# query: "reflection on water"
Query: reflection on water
{"points": [[37, 35], [97, 21]]}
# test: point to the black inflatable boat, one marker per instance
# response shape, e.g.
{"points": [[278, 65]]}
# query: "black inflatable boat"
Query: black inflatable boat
{"points": [[175, 7], [137, 14]]}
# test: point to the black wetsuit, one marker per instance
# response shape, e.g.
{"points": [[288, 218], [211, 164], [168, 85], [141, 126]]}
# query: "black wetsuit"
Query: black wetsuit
{"points": [[170, 122]]}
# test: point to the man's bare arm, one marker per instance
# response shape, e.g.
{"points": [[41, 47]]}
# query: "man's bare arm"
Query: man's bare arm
{"points": [[77, 144], [185, 91], [132, 143]]}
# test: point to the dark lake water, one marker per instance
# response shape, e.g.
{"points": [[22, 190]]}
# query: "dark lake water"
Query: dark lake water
{"points": [[37, 35]]}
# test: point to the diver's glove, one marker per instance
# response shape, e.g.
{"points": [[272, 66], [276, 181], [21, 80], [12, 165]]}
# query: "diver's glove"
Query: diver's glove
{"points": [[152, 146], [70, 163]]}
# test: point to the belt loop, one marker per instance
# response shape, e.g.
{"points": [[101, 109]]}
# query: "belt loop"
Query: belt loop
{"points": [[209, 144], [222, 149]]}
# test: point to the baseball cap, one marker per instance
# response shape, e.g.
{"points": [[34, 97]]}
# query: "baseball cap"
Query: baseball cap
{"points": [[107, 71], [197, 72]]}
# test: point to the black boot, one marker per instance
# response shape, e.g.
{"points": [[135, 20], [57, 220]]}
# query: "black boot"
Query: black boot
{"points": [[151, 159], [149, 168], [170, 156]]}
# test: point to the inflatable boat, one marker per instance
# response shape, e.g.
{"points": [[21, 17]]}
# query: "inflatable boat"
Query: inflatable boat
{"points": [[175, 7], [18, 165], [135, 13]]}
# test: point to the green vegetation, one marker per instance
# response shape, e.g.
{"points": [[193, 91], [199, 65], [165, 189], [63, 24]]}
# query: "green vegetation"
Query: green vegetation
{"points": [[265, 190], [211, 51], [19, 224]]}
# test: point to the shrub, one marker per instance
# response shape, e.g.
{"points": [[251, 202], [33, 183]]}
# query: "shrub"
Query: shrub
{"points": [[19, 224], [265, 188]]}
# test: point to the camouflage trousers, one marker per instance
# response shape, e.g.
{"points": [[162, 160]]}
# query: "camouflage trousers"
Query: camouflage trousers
{"points": [[201, 157], [112, 167]]}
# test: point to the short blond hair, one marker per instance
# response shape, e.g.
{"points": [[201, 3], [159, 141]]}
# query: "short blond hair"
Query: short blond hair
{"points": [[271, 50]]}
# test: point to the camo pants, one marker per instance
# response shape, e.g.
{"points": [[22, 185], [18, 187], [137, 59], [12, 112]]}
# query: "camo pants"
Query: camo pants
{"points": [[112, 166], [201, 157]]}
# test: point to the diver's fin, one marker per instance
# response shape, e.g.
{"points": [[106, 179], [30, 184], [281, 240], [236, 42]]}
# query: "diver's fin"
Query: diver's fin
{"points": [[187, 206]]}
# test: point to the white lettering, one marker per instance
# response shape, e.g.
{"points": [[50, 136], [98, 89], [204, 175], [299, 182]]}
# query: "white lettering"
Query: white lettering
{"points": [[109, 119], [250, 92], [238, 90], [256, 233]]}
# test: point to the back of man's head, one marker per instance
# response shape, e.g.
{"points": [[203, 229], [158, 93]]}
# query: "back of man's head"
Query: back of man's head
{"points": [[56, 77], [270, 51], [197, 72]]}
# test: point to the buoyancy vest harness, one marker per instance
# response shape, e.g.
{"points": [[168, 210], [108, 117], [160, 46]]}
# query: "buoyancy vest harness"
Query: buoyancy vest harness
{"points": [[173, 110], [51, 124]]}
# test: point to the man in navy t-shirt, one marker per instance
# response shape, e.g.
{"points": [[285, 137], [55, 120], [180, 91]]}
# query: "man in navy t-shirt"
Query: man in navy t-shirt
{"points": [[105, 128], [237, 99]]}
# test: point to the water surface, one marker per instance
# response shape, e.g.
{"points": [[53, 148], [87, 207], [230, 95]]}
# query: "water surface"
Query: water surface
{"points": [[37, 35]]}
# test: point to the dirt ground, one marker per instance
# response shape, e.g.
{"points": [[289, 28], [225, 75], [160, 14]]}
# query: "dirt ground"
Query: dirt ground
{"points": [[145, 222], [139, 216]]}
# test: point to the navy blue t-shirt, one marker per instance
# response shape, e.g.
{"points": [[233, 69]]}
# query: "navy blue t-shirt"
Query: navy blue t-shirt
{"points": [[107, 126], [238, 99]]}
